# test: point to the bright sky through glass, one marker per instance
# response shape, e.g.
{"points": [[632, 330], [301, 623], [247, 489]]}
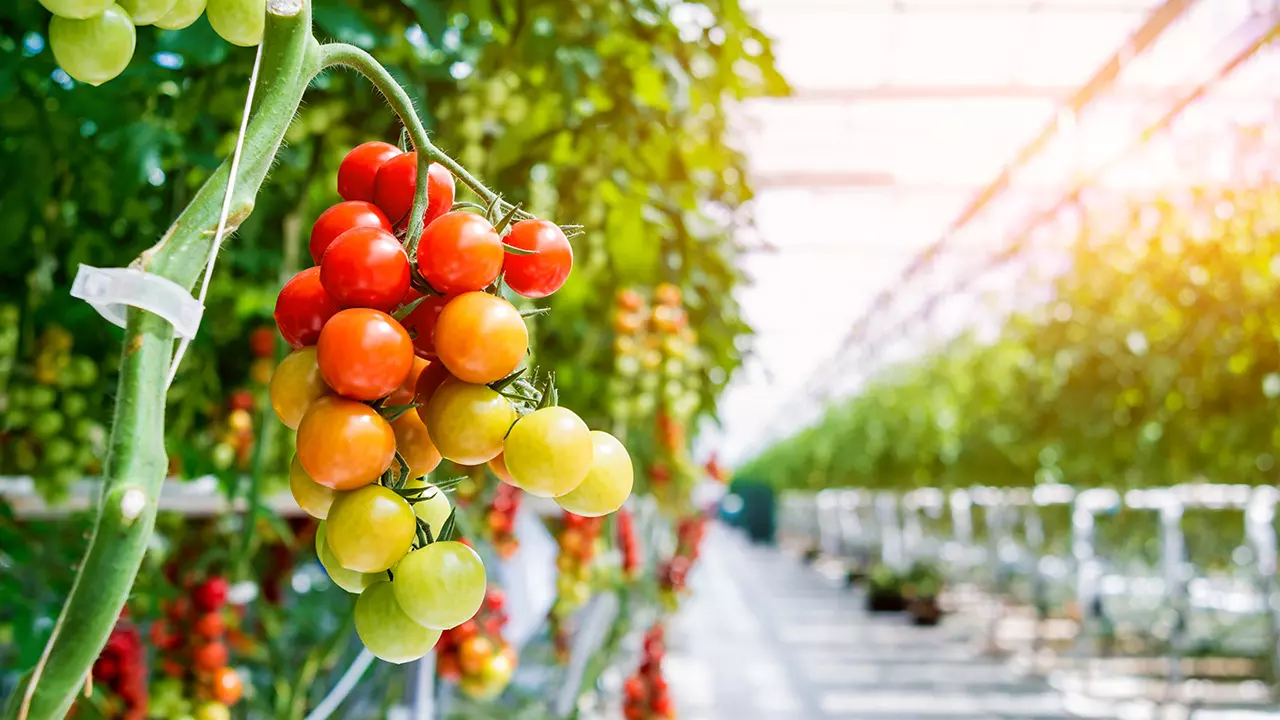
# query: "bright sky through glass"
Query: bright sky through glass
{"points": [[902, 112]]}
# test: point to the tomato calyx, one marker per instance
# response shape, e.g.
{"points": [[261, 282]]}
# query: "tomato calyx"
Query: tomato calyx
{"points": [[534, 312], [447, 531], [505, 221]]}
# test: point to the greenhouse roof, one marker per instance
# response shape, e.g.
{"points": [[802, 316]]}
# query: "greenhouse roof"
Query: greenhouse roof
{"points": [[876, 181]]}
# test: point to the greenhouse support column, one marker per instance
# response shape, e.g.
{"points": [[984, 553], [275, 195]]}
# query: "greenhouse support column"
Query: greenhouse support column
{"points": [[135, 465]]}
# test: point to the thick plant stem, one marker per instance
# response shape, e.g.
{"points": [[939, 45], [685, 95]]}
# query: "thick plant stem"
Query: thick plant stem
{"points": [[332, 54], [135, 466]]}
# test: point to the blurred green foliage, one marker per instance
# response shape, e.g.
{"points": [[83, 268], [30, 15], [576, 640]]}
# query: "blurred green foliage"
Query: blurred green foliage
{"points": [[603, 113], [1155, 363]]}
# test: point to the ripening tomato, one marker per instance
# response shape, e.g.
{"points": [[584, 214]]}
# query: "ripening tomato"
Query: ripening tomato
{"points": [[474, 654], [396, 181], [295, 384], [667, 294], [414, 444], [349, 580], [365, 267], [421, 321], [212, 711], [548, 452], [467, 422], [210, 625], [460, 252], [441, 585], [607, 485], [209, 656], [540, 274], [340, 218], [403, 395], [386, 630], [364, 354], [480, 337], [344, 444], [498, 466], [314, 499], [360, 167], [368, 530], [227, 687], [431, 378], [303, 307]]}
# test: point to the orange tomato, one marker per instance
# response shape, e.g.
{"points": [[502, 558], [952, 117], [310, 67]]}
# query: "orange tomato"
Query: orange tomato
{"points": [[480, 337], [343, 444], [415, 444]]}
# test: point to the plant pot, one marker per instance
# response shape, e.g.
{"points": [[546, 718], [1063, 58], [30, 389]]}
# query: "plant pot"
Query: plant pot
{"points": [[924, 611], [885, 601]]}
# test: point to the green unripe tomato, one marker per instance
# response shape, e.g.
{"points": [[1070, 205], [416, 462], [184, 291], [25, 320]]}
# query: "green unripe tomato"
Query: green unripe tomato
{"points": [[96, 49]]}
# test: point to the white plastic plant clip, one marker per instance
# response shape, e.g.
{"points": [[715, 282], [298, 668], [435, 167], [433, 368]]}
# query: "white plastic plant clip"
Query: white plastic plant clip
{"points": [[111, 291]]}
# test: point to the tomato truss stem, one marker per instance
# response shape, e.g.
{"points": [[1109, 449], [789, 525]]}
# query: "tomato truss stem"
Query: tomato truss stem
{"points": [[333, 54]]}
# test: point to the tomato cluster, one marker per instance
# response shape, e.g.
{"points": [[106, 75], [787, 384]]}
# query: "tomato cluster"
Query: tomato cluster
{"points": [[673, 574], [121, 669], [475, 655], [576, 537], [93, 40], [406, 353], [645, 695], [628, 544], [191, 643], [500, 520]]}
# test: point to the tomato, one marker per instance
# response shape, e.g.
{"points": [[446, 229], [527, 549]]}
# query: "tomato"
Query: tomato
{"points": [[239, 22], [211, 594], [209, 656], [467, 422], [295, 384], [421, 321], [460, 252], [386, 630], [432, 378], [474, 653], [262, 342], [349, 580], [370, 529], [403, 395], [434, 509], [667, 294], [608, 484], [366, 268], [480, 338], [227, 687], [303, 307], [441, 585], [540, 274], [212, 711], [364, 354], [497, 672], [314, 498], [95, 49], [360, 167], [343, 444], [181, 15], [339, 219], [210, 625], [146, 12], [76, 9], [414, 444], [498, 466], [548, 451], [396, 181]]}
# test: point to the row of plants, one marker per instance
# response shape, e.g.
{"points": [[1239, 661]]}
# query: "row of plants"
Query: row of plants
{"points": [[1153, 363]]}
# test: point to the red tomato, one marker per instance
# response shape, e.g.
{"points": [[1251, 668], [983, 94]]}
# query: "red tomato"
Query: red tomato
{"points": [[540, 274], [480, 337], [365, 267], [396, 181], [343, 444], [210, 625], [422, 322], [341, 218], [211, 594], [360, 167], [303, 307], [262, 342], [430, 379], [210, 656], [364, 354], [460, 252]]}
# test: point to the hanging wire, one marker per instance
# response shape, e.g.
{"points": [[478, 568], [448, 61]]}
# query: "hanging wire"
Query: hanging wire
{"points": [[220, 232]]}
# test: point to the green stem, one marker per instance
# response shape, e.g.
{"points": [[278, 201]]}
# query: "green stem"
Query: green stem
{"points": [[135, 465], [333, 54]]}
